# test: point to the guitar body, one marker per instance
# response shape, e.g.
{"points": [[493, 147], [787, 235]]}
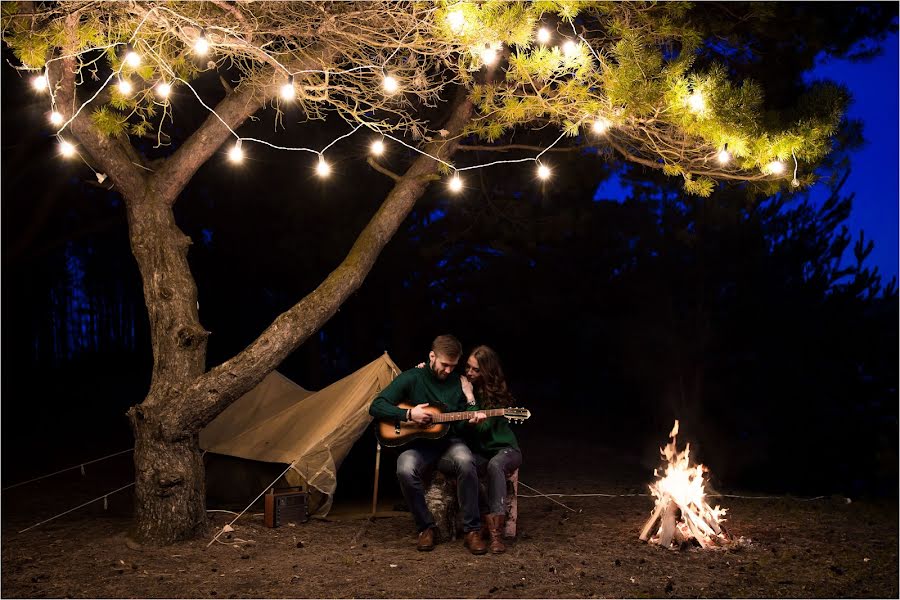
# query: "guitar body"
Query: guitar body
{"points": [[390, 433]]}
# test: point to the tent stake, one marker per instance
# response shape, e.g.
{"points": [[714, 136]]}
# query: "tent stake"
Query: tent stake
{"points": [[377, 469]]}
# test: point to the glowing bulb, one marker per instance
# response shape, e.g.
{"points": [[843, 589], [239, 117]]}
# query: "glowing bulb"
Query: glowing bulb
{"points": [[455, 184], [377, 147], [287, 90], [132, 59], [697, 102], [390, 84], [543, 35], [543, 172], [201, 46], [724, 157], [236, 155], [125, 87], [323, 169], [163, 89], [457, 21], [56, 118], [776, 167], [600, 126], [570, 48], [488, 55], [795, 182], [39, 83], [66, 149]]}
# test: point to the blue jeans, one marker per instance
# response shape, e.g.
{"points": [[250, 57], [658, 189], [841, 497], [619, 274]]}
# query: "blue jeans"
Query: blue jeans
{"points": [[452, 458], [499, 467]]}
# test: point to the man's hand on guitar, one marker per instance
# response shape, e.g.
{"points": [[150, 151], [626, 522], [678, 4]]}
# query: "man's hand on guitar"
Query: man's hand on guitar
{"points": [[419, 415], [477, 418]]}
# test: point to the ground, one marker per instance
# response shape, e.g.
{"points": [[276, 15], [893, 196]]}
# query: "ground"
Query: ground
{"points": [[820, 548]]}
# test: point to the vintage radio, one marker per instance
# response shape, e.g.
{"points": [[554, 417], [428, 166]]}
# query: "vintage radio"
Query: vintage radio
{"points": [[284, 505]]}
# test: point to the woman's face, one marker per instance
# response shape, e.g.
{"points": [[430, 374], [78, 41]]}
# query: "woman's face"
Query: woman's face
{"points": [[473, 372]]}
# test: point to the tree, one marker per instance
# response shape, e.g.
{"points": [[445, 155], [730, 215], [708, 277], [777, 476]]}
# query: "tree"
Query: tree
{"points": [[427, 75]]}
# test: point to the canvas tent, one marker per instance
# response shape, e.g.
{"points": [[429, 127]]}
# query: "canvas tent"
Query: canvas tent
{"points": [[280, 422]]}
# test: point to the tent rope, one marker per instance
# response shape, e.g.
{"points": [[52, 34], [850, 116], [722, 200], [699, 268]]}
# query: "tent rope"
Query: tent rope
{"points": [[81, 466], [252, 502], [103, 497]]}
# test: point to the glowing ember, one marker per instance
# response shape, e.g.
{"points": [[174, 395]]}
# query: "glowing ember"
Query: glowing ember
{"points": [[681, 510]]}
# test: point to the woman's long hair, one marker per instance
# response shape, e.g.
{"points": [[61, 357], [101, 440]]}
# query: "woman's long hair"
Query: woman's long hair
{"points": [[494, 393]]}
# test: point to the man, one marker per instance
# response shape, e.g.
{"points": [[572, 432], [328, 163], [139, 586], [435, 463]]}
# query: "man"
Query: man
{"points": [[435, 385]]}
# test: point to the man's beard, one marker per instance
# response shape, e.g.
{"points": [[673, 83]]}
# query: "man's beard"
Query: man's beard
{"points": [[441, 376]]}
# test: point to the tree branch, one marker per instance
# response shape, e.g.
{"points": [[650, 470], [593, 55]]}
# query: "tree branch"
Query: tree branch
{"points": [[508, 147], [382, 170]]}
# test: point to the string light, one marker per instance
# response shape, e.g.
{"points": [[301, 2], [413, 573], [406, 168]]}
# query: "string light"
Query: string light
{"points": [[488, 55], [287, 90], [163, 89], [570, 48], [776, 167], [56, 118], [455, 184], [377, 147], [66, 149], [390, 84], [132, 59], [724, 156], [697, 102], [543, 172], [201, 46], [457, 21], [543, 35], [600, 126], [125, 87], [323, 169], [236, 154], [40, 83]]}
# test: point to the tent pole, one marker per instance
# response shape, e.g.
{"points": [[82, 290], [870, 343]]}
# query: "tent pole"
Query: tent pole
{"points": [[377, 470]]}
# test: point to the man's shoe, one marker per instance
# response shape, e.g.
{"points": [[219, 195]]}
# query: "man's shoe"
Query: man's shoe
{"points": [[426, 540], [474, 542], [495, 527]]}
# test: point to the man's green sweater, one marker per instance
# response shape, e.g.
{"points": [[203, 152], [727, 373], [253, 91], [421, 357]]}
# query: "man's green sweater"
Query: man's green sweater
{"points": [[417, 386]]}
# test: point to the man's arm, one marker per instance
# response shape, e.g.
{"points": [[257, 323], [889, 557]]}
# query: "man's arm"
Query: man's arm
{"points": [[384, 406]]}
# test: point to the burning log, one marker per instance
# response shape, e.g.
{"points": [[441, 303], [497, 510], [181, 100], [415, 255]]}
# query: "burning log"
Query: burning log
{"points": [[681, 509]]}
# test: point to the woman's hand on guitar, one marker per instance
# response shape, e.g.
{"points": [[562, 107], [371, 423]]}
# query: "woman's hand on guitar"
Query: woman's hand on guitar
{"points": [[419, 415], [477, 418]]}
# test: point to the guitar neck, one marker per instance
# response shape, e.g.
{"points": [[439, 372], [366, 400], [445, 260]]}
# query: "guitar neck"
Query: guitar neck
{"points": [[466, 415]]}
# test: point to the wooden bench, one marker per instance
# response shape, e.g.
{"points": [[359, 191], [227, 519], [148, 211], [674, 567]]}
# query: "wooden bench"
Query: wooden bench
{"points": [[440, 496]]}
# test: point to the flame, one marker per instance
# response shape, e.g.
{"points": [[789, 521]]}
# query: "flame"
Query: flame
{"points": [[680, 491]]}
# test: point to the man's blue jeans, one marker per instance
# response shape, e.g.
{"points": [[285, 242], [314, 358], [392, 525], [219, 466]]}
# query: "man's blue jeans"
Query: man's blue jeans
{"points": [[453, 458]]}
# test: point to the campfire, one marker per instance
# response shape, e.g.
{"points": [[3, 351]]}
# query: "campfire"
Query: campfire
{"points": [[681, 516]]}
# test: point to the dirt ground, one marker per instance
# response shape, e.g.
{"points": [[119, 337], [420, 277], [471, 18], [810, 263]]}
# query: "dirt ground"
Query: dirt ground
{"points": [[820, 548]]}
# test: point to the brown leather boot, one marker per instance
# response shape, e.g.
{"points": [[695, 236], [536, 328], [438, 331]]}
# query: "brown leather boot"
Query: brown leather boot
{"points": [[425, 541], [495, 527], [474, 542]]}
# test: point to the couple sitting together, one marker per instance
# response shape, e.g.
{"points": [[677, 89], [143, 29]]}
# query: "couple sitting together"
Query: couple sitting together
{"points": [[481, 441]]}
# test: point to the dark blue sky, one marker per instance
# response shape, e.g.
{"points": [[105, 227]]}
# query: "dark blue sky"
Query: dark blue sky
{"points": [[875, 174]]}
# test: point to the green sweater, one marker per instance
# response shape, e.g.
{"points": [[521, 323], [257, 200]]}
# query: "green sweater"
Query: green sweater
{"points": [[490, 436], [417, 386]]}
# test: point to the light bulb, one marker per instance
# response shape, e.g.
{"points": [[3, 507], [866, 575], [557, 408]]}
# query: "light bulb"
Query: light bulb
{"points": [[125, 87], [201, 46], [543, 172], [488, 55], [56, 118], [236, 155], [697, 102], [66, 149], [132, 59], [600, 126], [163, 89], [724, 157], [570, 48], [39, 83], [455, 184], [776, 167], [377, 147], [543, 35], [390, 84], [323, 169], [456, 20], [287, 90]]}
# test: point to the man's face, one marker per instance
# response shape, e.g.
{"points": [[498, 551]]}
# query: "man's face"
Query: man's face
{"points": [[441, 365], [473, 372]]}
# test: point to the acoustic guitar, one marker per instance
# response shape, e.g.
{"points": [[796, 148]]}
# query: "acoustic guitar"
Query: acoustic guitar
{"points": [[396, 433]]}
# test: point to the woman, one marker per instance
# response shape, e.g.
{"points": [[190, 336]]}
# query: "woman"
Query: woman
{"points": [[491, 440]]}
